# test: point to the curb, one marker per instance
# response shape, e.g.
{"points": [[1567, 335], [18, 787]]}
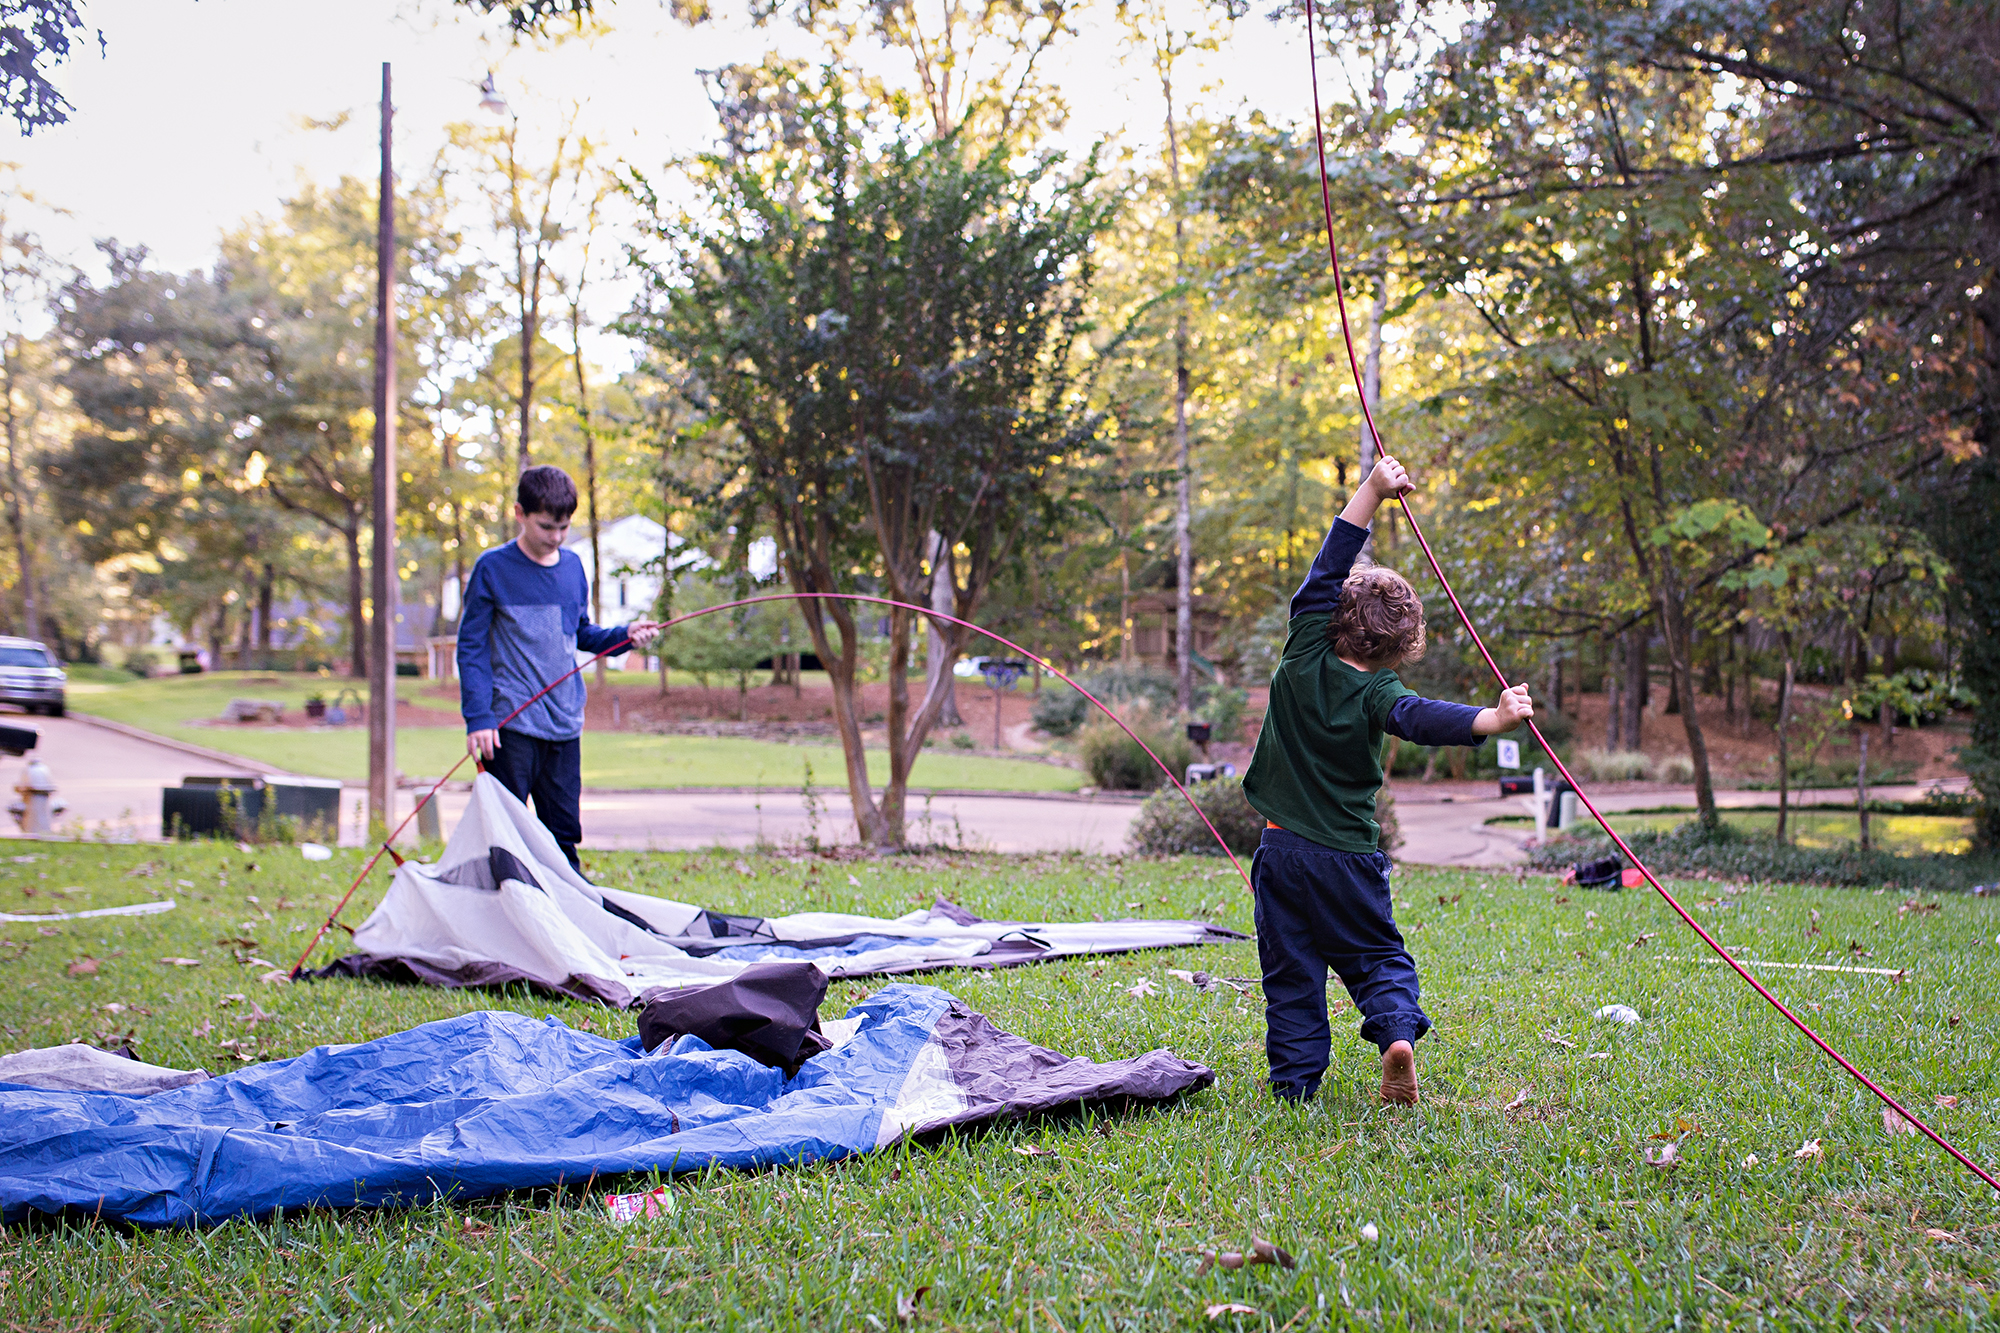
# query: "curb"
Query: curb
{"points": [[955, 793], [236, 761]]}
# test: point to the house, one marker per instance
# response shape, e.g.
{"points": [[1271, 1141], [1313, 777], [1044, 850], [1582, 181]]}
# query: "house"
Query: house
{"points": [[1153, 616]]}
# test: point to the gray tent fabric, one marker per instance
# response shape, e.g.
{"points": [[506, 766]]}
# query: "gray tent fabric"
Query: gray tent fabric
{"points": [[503, 905], [769, 1012], [80, 1068]]}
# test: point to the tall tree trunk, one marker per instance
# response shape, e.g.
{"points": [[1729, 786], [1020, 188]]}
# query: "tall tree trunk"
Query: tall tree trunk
{"points": [[1784, 739], [16, 519], [357, 618], [264, 582], [944, 589], [1184, 499], [1635, 686], [1680, 661], [590, 486], [1613, 731]]}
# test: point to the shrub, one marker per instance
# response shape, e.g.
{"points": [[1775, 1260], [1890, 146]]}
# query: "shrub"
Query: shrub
{"points": [[1674, 768], [1116, 763], [1391, 836], [1062, 711], [1729, 852], [1167, 827], [1612, 765]]}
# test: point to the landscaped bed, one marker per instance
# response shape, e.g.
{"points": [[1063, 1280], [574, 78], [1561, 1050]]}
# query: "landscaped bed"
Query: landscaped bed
{"points": [[1518, 1194]]}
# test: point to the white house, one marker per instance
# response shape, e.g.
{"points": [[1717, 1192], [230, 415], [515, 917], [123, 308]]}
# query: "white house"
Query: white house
{"points": [[632, 548]]}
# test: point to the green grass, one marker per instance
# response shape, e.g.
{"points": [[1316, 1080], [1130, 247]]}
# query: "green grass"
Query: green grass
{"points": [[169, 706], [1545, 1217], [1905, 835]]}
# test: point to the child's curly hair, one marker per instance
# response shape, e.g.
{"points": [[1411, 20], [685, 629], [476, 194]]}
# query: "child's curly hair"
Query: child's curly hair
{"points": [[1379, 621]]}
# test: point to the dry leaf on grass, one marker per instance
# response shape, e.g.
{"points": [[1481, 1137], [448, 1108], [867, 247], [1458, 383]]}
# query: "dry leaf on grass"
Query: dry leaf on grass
{"points": [[1940, 1236], [906, 1306], [1520, 1099], [1947, 1100], [1370, 1232], [1664, 1156], [1228, 1307], [1264, 1252], [855, 882], [1893, 1124], [1033, 1150], [182, 962], [83, 967], [1555, 1040], [1810, 1151], [1143, 987], [277, 976]]}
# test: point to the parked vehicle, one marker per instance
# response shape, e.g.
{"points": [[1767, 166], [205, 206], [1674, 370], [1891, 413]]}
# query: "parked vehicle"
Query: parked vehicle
{"points": [[31, 676]]}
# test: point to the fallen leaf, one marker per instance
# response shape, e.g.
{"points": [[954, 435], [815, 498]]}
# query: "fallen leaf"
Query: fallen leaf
{"points": [[48, 930], [1599, 1055], [257, 1015], [468, 1229], [1666, 1155], [1893, 1124], [1858, 949], [855, 882], [1033, 1150], [254, 961], [1141, 988], [83, 967], [277, 976], [742, 868], [1644, 936], [1954, 1020], [1520, 1099], [1555, 1040], [1264, 1252], [1750, 1161], [1947, 1100], [1813, 929], [1941, 1236], [1228, 1307], [1811, 1151], [1912, 905], [1229, 1259], [182, 962], [233, 997], [1130, 906], [906, 1306], [114, 1008]]}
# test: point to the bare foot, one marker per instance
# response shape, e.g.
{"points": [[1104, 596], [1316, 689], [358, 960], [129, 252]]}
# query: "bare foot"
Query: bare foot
{"points": [[1399, 1075]]}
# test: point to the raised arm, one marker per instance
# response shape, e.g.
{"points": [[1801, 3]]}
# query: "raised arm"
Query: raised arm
{"points": [[1320, 592]]}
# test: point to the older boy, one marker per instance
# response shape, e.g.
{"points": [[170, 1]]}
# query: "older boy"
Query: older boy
{"points": [[1321, 881], [526, 615]]}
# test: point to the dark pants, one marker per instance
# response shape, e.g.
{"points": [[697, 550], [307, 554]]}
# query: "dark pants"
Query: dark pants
{"points": [[551, 772], [1317, 909]]}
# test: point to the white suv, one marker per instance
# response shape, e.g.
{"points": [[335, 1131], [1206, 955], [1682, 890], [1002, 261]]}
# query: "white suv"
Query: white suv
{"points": [[31, 677]]}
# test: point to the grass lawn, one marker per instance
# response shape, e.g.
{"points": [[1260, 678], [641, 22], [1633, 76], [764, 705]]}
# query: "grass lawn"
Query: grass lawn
{"points": [[1905, 835], [610, 759], [1543, 1216]]}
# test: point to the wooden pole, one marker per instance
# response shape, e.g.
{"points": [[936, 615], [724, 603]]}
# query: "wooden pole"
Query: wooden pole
{"points": [[382, 629]]}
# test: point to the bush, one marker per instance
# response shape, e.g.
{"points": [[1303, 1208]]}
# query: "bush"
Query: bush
{"points": [[1674, 768], [1116, 763], [1612, 765], [1166, 826], [1729, 852], [1062, 711], [1391, 836]]}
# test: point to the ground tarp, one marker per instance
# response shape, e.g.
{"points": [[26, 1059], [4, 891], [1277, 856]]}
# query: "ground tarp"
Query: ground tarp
{"points": [[503, 905], [495, 1101]]}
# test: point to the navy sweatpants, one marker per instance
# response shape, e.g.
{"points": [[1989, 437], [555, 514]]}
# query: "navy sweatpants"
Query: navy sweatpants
{"points": [[1318, 908], [551, 772]]}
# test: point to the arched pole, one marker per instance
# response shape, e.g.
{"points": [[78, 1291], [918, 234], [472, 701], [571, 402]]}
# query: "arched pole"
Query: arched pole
{"points": [[1333, 256]]}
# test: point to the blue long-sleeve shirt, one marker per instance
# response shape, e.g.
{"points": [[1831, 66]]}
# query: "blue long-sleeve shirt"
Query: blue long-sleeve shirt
{"points": [[1318, 761], [520, 629]]}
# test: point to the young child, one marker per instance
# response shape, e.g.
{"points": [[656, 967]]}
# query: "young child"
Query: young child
{"points": [[1321, 882], [527, 611]]}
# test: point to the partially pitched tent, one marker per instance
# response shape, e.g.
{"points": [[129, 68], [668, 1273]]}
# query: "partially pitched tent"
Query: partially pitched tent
{"points": [[503, 905]]}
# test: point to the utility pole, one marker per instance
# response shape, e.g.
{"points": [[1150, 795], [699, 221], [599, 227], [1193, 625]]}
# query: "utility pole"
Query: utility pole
{"points": [[1184, 500], [382, 629]]}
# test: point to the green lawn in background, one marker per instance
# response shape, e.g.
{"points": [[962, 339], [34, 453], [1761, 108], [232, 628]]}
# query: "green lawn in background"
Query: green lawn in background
{"points": [[1517, 1196], [1905, 835], [610, 759]]}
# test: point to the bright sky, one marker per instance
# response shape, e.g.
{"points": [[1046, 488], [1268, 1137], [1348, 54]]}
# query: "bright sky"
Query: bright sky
{"points": [[194, 117]]}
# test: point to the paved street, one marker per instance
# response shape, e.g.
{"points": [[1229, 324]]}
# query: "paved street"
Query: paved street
{"points": [[112, 782]]}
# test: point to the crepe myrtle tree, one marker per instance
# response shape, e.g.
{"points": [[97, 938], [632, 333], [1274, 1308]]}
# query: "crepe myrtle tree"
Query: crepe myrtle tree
{"points": [[881, 335]]}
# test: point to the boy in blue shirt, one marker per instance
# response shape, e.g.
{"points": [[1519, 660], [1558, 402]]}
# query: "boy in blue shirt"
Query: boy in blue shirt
{"points": [[1321, 881], [526, 614]]}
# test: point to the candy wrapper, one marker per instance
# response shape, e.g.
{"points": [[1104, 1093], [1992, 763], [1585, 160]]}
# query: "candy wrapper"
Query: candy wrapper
{"points": [[632, 1207]]}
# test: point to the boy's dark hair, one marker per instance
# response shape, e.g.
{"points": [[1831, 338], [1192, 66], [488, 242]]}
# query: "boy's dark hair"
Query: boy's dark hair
{"points": [[1379, 621], [546, 490]]}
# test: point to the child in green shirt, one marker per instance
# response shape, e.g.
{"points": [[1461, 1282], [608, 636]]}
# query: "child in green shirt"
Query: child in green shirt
{"points": [[1321, 882]]}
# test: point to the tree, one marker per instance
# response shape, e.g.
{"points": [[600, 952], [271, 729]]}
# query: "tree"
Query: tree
{"points": [[883, 340]]}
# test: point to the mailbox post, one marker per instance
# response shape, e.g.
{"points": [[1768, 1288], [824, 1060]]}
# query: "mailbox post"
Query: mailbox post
{"points": [[1001, 673]]}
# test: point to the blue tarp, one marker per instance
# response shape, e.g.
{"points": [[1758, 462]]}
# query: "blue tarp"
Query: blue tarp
{"points": [[495, 1101]]}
